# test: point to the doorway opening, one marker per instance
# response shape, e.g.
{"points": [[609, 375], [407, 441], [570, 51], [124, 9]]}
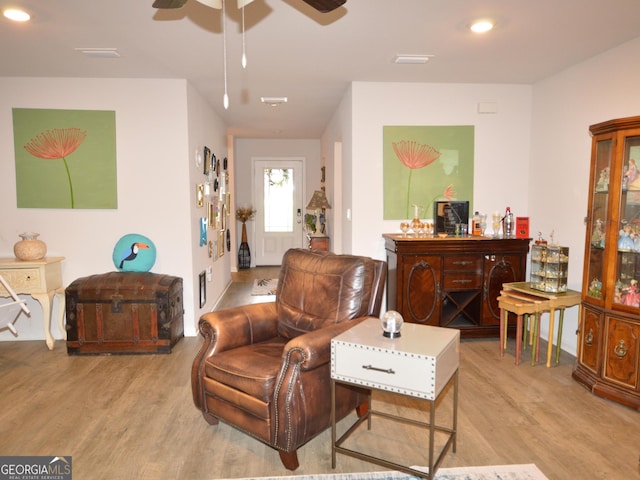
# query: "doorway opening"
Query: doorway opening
{"points": [[278, 185]]}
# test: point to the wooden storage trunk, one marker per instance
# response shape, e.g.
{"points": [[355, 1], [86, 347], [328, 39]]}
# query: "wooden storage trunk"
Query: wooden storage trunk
{"points": [[124, 312]]}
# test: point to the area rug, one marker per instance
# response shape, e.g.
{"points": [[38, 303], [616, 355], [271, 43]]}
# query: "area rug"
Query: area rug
{"points": [[493, 472], [265, 286]]}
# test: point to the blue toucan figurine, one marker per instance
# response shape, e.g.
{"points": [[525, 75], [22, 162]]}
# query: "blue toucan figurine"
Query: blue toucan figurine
{"points": [[132, 253]]}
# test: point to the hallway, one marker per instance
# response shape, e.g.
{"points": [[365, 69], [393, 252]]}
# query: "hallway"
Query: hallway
{"points": [[239, 291]]}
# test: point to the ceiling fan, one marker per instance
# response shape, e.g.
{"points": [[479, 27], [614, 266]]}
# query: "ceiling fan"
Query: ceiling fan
{"points": [[322, 6]]}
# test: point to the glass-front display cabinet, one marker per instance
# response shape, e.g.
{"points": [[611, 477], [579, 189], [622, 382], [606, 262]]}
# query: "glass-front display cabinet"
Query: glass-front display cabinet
{"points": [[609, 333]]}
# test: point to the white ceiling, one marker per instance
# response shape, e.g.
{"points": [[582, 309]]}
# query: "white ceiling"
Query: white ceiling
{"points": [[307, 56]]}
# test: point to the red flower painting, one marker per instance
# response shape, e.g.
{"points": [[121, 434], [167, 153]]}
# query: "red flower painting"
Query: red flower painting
{"points": [[414, 155], [57, 144]]}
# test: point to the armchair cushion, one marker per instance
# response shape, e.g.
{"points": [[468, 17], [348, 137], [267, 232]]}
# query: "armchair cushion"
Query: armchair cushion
{"points": [[317, 289], [252, 369]]}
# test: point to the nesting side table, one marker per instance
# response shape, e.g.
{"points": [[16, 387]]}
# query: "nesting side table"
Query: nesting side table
{"points": [[420, 363], [520, 298]]}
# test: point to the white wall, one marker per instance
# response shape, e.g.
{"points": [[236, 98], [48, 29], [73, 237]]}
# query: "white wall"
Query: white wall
{"points": [[246, 149], [339, 131], [155, 191], [501, 147], [564, 105], [205, 128]]}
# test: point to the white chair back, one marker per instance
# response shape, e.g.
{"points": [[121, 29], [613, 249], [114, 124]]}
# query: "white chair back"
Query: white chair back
{"points": [[10, 311]]}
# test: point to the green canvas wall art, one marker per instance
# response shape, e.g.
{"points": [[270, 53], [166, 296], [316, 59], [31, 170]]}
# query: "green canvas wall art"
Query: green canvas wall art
{"points": [[65, 158], [424, 164]]}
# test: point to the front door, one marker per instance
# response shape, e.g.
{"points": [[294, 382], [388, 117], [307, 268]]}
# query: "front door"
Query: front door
{"points": [[278, 185]]}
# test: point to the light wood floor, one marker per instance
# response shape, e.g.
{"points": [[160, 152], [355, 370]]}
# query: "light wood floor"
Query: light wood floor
{"points": [[131, 417]]}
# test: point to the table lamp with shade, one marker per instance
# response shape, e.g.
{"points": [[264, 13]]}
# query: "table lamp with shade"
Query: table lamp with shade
{"points": [[317, 203]]}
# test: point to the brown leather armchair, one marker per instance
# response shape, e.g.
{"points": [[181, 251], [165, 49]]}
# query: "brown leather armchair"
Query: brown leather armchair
{"points": [[265, 368]]}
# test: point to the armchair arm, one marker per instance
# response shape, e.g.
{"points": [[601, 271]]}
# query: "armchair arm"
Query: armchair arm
{"points": [[235, 327], [301, 402], [310, 350], [229, 329]]}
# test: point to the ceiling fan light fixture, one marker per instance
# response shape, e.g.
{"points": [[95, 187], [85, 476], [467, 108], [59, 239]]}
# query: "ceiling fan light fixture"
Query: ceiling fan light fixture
{"points": [[482, 26], [412, 59], [274, 101]]}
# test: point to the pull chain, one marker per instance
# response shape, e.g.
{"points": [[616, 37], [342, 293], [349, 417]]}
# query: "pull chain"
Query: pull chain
{"points": [[225, 98], [244, 49]]}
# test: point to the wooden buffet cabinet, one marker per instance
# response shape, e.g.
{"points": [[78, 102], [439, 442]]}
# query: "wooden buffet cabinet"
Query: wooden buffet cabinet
{"points": [[452, 282], [319, 243], [608, 360]]}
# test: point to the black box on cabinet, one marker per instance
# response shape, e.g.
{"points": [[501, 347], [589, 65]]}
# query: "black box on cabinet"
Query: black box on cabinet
{"points": [[446, 215]]}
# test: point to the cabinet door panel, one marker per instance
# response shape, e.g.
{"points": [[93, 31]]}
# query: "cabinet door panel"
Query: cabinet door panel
{"points": [[498, 269], [589, 343], [627, 241], [594, 273], [422, 290], [622, 352]]}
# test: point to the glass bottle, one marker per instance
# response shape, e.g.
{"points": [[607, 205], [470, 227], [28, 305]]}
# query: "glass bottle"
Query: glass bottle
{"points": [[476, 227], [507, 224]]}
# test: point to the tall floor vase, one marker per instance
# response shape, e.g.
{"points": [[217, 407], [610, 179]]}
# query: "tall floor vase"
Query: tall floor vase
{"points": [[244, 253]]}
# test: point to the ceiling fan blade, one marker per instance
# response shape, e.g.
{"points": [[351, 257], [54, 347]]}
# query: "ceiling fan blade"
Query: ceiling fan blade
{"points": [[325, 6], [169, 3]]}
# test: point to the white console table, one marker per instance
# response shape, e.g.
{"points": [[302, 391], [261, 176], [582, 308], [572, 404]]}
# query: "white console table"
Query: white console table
{"points": [[42, 280], [420, 363]]}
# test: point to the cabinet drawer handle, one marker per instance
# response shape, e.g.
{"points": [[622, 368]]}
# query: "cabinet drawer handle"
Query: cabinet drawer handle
{"points": [[462, 281], [620, 350], [588, 340], [383, 370], [464, 263]]}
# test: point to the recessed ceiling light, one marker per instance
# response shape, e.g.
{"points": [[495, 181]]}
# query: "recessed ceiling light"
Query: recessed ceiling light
{"points": [[273, 101], [481, 26], [412, 59], [16, 15]]}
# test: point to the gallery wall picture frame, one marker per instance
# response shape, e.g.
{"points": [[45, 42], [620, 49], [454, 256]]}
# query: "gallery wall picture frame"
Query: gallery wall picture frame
{"points": [[218, 214], [200, 195], [224, 184], [211, 215], [212, 164], [221, 234], [203, 231], [207, 160], [202, 281]]}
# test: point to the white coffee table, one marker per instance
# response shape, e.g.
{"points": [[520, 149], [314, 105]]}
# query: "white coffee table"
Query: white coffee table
{"points": [[420, 363]]}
